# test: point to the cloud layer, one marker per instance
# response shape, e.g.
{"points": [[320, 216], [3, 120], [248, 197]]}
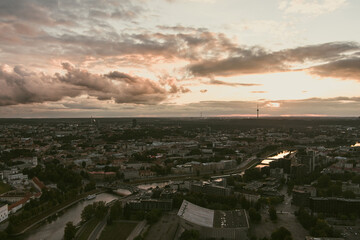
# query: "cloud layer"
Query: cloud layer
{"points": [[344, 106], [22, 86], [130, 55], [260, 61], [311, 7]]}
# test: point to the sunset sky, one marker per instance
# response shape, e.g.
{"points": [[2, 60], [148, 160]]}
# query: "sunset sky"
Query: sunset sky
{"points": [[178, 58]]}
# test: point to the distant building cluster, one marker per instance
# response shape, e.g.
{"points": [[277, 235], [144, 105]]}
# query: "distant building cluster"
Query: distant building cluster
{"points": [[211, 159]]}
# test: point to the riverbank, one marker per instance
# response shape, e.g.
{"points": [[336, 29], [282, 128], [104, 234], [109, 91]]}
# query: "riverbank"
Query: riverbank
{"points": [[33, 222], [85, 230]]}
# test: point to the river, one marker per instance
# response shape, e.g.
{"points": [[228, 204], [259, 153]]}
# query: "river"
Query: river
{"points": [[268, 160], [55, 229]]}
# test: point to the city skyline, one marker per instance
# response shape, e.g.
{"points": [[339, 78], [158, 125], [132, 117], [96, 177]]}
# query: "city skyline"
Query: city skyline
{"points": [[177, 58]]}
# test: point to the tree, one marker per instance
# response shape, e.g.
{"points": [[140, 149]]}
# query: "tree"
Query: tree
{"points": [[100, 209], [305, 219], [153, 216], [90, 186], [87, 213], [83, 164], [116, 211], [70, 231], [324, 181], [3, 235], [349, 194], [281, 234], [323, 229], [97, 209], [254, 215], [190, 235], [272, 213], [244, 203], [252, 174]]}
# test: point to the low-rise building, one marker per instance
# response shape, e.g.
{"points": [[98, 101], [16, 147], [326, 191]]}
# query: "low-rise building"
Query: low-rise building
{"points": [[210, 189], [301, 195], [102, 175], [149, 204], [333, 205], [355, 188]]}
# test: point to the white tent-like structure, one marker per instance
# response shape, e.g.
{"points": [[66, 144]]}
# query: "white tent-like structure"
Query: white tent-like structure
{"points": [[214, 223]]}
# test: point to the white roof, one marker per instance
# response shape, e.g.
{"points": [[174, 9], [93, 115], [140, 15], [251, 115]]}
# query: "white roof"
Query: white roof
{"points": [[195, 214]]}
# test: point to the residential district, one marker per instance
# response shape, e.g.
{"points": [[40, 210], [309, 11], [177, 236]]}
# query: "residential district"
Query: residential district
{"points": [[191, 178]]}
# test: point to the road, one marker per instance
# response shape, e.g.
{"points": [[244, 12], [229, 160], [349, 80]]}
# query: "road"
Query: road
{"points": [[95, 234], [137, 230], [98, 229]]}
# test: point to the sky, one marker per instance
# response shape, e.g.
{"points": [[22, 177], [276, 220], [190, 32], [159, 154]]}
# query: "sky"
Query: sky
{"points": [[179, 58]]}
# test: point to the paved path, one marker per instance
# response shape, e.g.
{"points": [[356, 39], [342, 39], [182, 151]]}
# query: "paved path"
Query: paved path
{"points": [[98, 229], [137, 230], [95, 234]]}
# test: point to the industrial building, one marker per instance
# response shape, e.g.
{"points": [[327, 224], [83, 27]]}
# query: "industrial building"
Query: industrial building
{"points": [[149, 204], [214, 224], [210, 189], [333, 205]]}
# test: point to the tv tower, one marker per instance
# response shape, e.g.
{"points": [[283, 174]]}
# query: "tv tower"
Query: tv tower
{"points": [[257, 111]]}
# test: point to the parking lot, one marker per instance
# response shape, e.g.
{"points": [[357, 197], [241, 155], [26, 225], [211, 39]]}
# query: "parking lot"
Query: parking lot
{"points": [[349, 232]]}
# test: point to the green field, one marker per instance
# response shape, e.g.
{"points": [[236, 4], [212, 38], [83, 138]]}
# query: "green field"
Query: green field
{"points": [[118, 230], [88, 228], [4, 187]]}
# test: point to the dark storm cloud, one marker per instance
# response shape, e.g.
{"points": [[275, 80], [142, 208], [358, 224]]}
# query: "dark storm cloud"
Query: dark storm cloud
{"points": [[22, 86], [126, 89], [259, 61], [25, 10], [343, 69]]}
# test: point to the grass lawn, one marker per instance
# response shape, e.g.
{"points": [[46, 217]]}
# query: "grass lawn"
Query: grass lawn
{"points": [[4, 187], [88, 228], [118, 230]]}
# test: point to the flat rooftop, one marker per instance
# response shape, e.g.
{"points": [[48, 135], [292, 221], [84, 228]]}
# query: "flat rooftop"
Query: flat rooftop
{"points": [[213, 218], [230, 219], [196, 214]]}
